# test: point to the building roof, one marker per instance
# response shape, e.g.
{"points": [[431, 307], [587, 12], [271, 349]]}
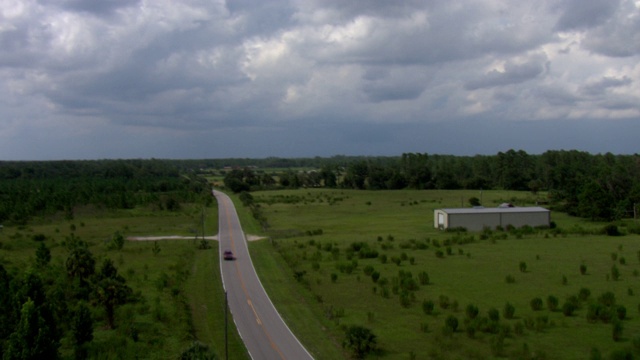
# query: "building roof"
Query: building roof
{"points": [[483, 210]]}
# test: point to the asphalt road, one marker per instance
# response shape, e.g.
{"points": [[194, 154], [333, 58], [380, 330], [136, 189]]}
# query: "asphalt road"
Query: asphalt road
{"points": [[263, 331]]}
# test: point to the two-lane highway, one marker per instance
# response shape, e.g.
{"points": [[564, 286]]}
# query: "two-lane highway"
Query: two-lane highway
{"points": [[263, 331]]}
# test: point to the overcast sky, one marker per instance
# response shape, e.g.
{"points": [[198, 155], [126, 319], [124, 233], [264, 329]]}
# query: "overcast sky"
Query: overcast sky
{"points": [[84, 79]]}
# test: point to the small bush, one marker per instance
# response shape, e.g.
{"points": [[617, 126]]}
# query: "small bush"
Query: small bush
{"points": [[428, 306], [375, 276], [509, 311], [523, 266], [451, 323], [443, 302], [568, 308], [368, 270], [583, 269], [424, 278], [611, 230], [615, 273], [39, 237], [494, 314], [584, 294], [509, 279], [616, 330], [552, 303], [471, 311], [536, 304]]}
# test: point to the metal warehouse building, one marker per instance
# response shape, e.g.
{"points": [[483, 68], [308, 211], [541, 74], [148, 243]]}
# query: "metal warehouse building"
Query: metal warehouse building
{"points": [[475, 219]]}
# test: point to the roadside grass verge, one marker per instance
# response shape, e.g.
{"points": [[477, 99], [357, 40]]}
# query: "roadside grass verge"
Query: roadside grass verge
{"points": [[294, 304], [207, 302]]}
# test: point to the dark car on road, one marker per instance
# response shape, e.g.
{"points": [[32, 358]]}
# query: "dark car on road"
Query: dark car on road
{"points": [[228, 255]]}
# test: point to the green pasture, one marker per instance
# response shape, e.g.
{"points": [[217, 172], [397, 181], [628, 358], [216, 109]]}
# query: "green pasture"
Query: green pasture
{"points": [[318, 288], [181, 296]]}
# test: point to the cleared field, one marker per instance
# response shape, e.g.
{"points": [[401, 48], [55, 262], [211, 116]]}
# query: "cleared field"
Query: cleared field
{"points": [[325, 245]]}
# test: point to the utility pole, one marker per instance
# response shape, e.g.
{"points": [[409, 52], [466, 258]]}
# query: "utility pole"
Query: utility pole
{"points": [[226, 325], [202, 220]]}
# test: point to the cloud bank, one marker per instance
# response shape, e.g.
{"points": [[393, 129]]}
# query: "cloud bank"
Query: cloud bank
{"points": [[251, 78]]}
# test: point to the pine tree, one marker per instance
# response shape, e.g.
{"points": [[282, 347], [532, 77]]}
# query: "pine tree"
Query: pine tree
{"points": [[82, 328], [33, 338], [111, 290]]}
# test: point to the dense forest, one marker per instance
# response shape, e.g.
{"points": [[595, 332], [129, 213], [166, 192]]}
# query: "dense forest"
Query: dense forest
{"points": [[29, 189], [598, 187], [595, 186]]}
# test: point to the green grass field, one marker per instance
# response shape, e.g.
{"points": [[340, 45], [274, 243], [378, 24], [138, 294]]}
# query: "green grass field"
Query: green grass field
{"points": [[319, 282], [318, 288]]}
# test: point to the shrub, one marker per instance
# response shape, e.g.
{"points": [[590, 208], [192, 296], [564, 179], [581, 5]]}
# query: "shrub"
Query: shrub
{"points": [[360, 340], [334, 277], [375, 276], [451, 323], [584, 294], [494, 314], [616, 330], [368, 270], [536, 304], [198, 350], [607, 299], [621, 312], [406, 298], [615, 273], [424, 278], [568, 308], [428, 306], [523, 266], [611, 230], [509, 279], [39, 237], [443, 302], [552, 303], [583, 269], [509, 311], [471, 311]]}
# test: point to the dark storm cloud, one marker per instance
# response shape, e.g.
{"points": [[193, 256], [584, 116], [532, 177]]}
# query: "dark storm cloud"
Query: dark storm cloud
{"points": [[581, 14], [98, 8], [600, 86], [512, 74]]}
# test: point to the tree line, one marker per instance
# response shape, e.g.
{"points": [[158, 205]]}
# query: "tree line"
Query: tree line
{"points": [[41, 188], [594, 186]]}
